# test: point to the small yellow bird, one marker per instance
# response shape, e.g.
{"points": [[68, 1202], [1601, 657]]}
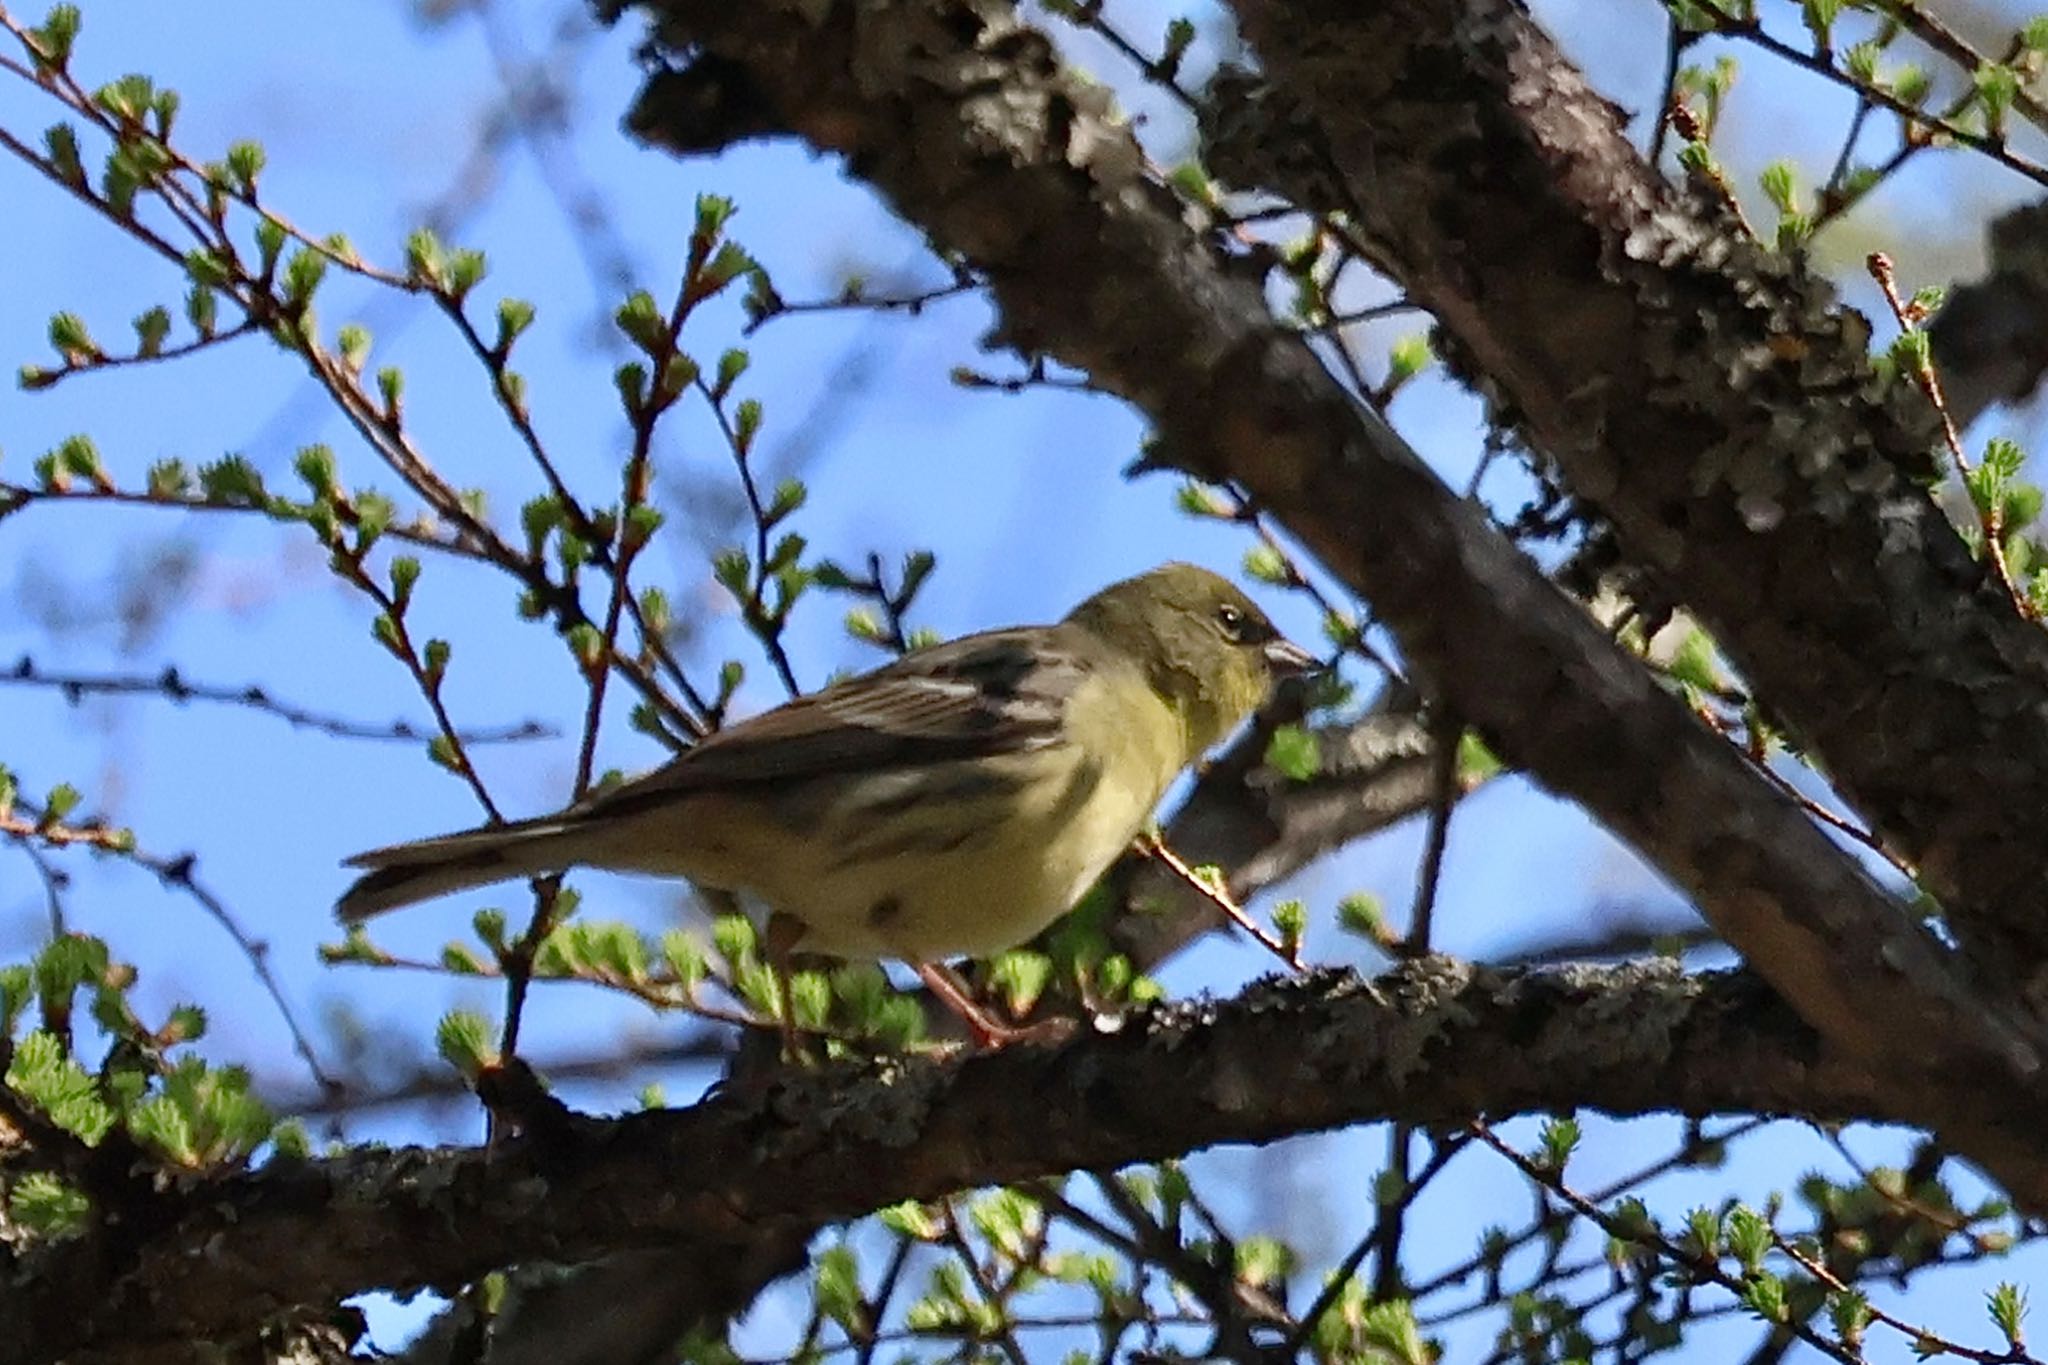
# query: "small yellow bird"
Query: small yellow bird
{"points": [[952, 803]]}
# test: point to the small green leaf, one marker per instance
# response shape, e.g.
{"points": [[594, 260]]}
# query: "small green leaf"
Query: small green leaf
{"points": [[405, 572], [463, 1038], [631, 381], [53, 39], [683, 956], [1199, 500], [735, 937], [1476, 762], [642, 521], [1290, 921], [426, 260], [1360, 914], [810, 995], [1780, 184], [61, 802], [1850, 1312], [1021, 977], [2007, 1304], [917, 567], [1560, 1137], [245, 161], [46, 1207], [1264, 1261], [201, 310], [913, 1220], [290, 1141], [747, 422], [639, 317], [315, 465], [47, 1076], [731, 365], [232, 480], [587, 643], [151, 328], [72, 340], [678, 374], [1764, 1295], [514, 317], [391, 388], [1266, 564], [460, 959], [1294, 753], [789, 496], [1408, 357], [302, 275], [187, 1024], [714, 211], [733, 571], [835, 1287], [466, 269], [270, 239], [863, 625]]}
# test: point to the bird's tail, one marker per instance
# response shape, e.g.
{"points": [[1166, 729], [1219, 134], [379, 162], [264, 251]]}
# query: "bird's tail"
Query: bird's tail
{"points": [[405, 873]]}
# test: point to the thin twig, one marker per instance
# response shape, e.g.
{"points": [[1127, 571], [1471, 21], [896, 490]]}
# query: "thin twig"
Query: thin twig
{"points": [[1918, 1335], [56, 834], [1918, 20], [1676, 40], [1446, 734], [1991, 513], [172, 686], [771, 639], [1151, 845], [178, 875], [853, 301], [1698, 1266], [1087, 15], [1751, 30]]}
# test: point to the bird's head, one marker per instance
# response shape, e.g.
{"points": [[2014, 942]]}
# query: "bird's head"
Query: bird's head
{"points": [[1208, 650]]}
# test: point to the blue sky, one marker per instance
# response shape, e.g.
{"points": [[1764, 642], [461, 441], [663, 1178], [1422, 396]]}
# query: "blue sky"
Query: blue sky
{"points": [[369, 121]]}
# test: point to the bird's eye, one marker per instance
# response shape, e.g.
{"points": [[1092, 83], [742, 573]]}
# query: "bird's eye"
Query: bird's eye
{"points": [[1232, 621]]}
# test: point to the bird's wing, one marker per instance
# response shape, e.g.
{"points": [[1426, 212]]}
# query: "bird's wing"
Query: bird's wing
{"points": [[997, 692]]}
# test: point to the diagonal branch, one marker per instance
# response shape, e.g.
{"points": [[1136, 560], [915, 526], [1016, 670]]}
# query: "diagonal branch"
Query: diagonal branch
{"points": [[1707, 394]]}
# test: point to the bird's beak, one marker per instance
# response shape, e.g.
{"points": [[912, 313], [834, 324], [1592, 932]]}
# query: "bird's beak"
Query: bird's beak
{"points": [[1288, 659]]}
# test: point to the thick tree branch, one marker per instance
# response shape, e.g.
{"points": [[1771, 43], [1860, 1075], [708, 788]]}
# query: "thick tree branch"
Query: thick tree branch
{"points": [[961, 115], [1707, 394], [1434, 1042]]}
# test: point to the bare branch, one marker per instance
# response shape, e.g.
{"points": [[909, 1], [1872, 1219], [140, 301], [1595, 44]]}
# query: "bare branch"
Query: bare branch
{"points": [[172, 686]]}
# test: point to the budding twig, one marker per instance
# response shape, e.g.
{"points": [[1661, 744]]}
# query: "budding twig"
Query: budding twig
{"points": [[1218, 895]]}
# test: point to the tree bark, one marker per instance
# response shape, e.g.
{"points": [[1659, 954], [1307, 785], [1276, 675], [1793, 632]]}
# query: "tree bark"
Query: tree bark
{"points": [[1707, 394], [1433, 1042]]}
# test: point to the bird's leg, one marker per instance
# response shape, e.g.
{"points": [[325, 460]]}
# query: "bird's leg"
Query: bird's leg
{"points": [[989, 1033], [784, 931]]}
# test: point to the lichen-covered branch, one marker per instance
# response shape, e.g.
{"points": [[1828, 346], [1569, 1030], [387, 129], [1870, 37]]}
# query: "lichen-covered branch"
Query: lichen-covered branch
{"points": [[1706, 393], [1432, 1042]]}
